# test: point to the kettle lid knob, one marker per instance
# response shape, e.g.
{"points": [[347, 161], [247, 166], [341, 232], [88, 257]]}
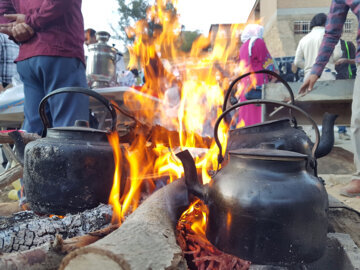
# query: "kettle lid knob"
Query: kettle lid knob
{"points": [[82, 123]]}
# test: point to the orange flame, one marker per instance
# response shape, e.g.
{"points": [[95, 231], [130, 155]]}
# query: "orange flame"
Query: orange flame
{"points": [[200, 212], [183, 93], [114, 198]]}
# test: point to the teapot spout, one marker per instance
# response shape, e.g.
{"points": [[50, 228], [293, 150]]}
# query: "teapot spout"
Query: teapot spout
{"points": [[191, 177], [327, 135]]}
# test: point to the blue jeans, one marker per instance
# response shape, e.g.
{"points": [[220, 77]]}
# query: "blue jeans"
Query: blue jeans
{"points": [[43, 74], [342, 129]]}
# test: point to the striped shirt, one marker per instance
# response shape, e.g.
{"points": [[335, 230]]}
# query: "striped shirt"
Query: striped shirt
{"points": [[9, 50], [333, 30]]}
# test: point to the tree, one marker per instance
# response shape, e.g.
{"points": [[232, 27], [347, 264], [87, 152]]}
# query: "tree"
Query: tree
{"points": [[187, 39], [130, 12]]}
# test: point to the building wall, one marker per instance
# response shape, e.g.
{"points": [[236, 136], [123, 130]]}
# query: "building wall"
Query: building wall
{"points": [[303, 3], [278, 17]]}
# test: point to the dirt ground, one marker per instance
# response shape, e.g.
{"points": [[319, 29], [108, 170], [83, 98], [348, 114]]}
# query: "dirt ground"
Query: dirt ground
{"points": [[334, 188]]}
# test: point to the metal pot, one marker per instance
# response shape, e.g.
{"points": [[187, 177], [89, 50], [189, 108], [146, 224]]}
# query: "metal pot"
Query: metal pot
{"points": [[284, 133], [101, 61], [264, 204], [72, 168]]}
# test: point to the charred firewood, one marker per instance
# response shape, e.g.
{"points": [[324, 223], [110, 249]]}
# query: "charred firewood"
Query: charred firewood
{"points": [[25, 230], [146, 240], [49, 255]]}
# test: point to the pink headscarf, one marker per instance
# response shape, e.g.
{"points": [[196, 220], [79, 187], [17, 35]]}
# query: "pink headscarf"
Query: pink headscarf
{"points": [[252, 32]]}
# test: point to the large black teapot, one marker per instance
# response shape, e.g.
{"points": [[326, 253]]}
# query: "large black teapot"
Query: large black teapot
{"points": [[72, 168], [284, 133], [265, 205]]}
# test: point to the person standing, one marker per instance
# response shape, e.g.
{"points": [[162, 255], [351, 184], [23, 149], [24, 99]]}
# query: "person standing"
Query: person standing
{"points": [[345, 69], [333, 30], [51, 56], [90, 38], [309, 45], [9, 50], [345, 66], [254, 56]]}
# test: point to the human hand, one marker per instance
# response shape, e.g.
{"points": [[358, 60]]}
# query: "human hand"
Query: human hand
{"points": [[6, 29], [22, 32], [15, 18], [341, 61], [308, 84]]}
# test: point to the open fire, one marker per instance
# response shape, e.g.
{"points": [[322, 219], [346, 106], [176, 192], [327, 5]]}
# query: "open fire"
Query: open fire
{"points": [[190, 103]]}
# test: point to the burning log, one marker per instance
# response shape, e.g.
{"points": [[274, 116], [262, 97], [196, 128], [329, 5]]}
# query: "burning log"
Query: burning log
{"points": [[49, 255], [146, 240], [26, 230]]}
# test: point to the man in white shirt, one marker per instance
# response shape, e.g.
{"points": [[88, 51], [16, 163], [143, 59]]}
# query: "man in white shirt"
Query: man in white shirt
{"points": [[308, 49]]}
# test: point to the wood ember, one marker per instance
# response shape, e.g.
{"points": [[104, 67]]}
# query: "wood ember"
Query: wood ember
{"points": [[200, 253], [49, 255], [25, 230]]}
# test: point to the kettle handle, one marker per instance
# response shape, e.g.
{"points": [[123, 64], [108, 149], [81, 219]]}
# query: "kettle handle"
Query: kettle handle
{"points": [[81, 90], [263, 71], [261, 101]]}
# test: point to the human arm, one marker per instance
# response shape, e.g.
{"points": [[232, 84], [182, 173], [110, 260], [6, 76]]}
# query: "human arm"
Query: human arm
{"points": [[345, 61], [6, 7], [299, 56], [2, 55], [337, 54], [333, 30], [49, 11], [261, 55], [17, 28]]}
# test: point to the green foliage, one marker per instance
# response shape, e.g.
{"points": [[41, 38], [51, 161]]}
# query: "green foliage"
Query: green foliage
{"points": [[187, 39], [130, 12]]}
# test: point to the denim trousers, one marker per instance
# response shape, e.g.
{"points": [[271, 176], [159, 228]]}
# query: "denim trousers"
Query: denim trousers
{"points": [[44, 74]]}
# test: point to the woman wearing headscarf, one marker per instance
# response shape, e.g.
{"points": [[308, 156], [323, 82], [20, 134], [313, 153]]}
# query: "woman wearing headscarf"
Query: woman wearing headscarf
{"points": [[253, 56]]}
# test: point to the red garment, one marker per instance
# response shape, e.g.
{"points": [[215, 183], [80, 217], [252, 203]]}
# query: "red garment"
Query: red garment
{"points": [[58, 26]]}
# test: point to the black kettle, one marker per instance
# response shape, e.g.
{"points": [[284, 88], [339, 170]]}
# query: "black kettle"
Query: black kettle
{"points": [[72, 168], [264, 203], [284, 133]]}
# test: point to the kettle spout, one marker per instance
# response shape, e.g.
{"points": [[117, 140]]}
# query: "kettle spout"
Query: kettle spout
{"points": [[191, 178], [327, 135]]}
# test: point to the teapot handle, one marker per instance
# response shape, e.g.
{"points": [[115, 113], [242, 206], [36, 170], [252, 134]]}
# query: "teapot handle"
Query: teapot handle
{"points": [[81, 90], [260, 101], [263, 71]]}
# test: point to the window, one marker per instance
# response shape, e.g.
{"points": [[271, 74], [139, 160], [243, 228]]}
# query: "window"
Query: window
{"points": [[348, 26], [301, 27]]}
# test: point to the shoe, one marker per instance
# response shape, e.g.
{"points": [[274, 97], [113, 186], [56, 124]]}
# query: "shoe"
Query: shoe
{"points": [[344, 136], [352, 189]]}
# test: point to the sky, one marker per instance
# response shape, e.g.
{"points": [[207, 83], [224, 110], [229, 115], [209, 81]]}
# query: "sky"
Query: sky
{"points": [[194, 14]]}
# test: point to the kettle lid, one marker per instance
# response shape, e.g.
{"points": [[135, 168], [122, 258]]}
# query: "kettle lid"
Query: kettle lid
{"points": [[268, 154], [80, 130]]}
